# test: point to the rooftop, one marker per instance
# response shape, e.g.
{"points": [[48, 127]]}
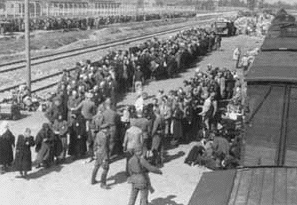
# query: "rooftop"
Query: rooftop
{"points": [[274, 66]]}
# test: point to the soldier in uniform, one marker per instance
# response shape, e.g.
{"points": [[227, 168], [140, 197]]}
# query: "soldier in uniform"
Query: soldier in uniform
{"points": [[101, 150], [138, 168], [95, 126], [157, 138], [110, 117]]}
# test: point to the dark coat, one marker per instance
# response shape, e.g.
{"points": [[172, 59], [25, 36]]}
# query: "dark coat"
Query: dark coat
{"points": [[45, 144], [177, 124], [78, 137], [7, 141], [23, 160]]}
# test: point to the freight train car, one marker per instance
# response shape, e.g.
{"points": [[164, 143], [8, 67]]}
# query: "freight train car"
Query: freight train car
{"points": [[268, 172]]}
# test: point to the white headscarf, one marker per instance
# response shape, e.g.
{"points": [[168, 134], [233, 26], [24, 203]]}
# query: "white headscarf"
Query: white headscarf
{"points": [[3, 127]]}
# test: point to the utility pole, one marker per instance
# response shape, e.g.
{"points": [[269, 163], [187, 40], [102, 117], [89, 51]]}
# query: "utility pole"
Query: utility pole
{"points": [[27, 44]]}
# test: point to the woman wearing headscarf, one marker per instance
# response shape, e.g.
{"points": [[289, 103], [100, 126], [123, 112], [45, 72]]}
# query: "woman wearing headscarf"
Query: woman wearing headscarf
{"points": [[45, 140], [23, 161], [7, 143]]}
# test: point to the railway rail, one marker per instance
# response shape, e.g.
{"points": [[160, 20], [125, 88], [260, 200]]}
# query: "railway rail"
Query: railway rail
{"points": [[17, 65]]}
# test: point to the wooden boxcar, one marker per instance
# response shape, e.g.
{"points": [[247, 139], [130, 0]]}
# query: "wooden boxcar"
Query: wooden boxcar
{"points": [[269, 157]]}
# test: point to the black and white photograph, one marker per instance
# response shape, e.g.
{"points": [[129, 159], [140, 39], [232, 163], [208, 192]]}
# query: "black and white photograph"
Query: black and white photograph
{"points": [[150, 102]]}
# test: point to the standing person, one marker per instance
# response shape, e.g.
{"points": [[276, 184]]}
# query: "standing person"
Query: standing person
{"points": [[139, 103], [55, 110], [60, 128], [138, 79], [45, 140], [138, 169], [73, 101], [207, 110], [166, 113], [88, 110], [7, 143], [110, 117], [157, 138], [236, 56], [23, 160], [95, 127], [144, 124], [133, 138], [101, 150], [78, 137], [176, 126]]}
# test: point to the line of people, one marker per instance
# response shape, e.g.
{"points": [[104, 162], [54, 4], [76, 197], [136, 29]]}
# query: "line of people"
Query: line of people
{"points": [[55, 23]]}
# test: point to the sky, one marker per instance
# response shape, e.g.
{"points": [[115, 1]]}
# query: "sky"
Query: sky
{"points": [[287, 1]]}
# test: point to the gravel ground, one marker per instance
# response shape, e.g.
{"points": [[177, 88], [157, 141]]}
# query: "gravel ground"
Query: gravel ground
{"points": [[70, 183]]}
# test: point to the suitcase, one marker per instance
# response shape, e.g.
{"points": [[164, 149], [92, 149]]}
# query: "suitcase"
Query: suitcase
{"points": [[12, 111]]}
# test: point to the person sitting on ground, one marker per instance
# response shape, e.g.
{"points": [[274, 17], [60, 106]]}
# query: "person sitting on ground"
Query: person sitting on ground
{"points": [[195, 154], [221, 148]]}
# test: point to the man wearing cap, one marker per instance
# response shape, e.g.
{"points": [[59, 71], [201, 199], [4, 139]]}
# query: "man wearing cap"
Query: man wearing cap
{"points": [[138, 168], [101, 150], [110, 117]]}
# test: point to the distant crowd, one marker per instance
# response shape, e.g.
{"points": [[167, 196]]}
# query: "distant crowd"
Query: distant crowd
{"points": [[83, 23]]}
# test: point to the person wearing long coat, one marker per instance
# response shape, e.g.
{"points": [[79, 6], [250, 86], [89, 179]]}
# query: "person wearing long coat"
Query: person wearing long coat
{"points": [[176, 127], [78, 137], [23, 159], [7, 143], [45, 140]]}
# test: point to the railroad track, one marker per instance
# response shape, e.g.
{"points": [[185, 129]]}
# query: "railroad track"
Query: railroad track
{"points": [[17, 65]]}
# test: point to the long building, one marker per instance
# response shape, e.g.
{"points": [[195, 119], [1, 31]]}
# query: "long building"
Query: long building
{"points": [[15, 8]]}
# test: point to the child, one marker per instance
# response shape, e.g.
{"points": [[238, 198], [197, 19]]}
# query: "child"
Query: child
{"points": [[23, 161]]}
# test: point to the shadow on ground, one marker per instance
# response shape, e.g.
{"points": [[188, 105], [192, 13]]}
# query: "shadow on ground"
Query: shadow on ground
{"points": [[44, 171], [165, 201], [119, 178], [168, 158]]}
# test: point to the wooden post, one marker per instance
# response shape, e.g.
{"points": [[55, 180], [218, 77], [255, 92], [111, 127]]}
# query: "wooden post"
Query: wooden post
{"points": [[27, 44]]}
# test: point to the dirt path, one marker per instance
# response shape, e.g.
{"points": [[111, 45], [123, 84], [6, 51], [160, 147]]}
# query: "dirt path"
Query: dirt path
{"points": [[70, 183]]}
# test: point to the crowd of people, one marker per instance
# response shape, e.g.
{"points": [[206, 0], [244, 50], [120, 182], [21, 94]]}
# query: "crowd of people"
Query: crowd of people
{"points": [[83, 121], [55, 23]]}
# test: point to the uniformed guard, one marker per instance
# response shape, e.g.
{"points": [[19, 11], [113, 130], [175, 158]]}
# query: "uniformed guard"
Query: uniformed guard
{"points": [[101, 150], [138, 168]]}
